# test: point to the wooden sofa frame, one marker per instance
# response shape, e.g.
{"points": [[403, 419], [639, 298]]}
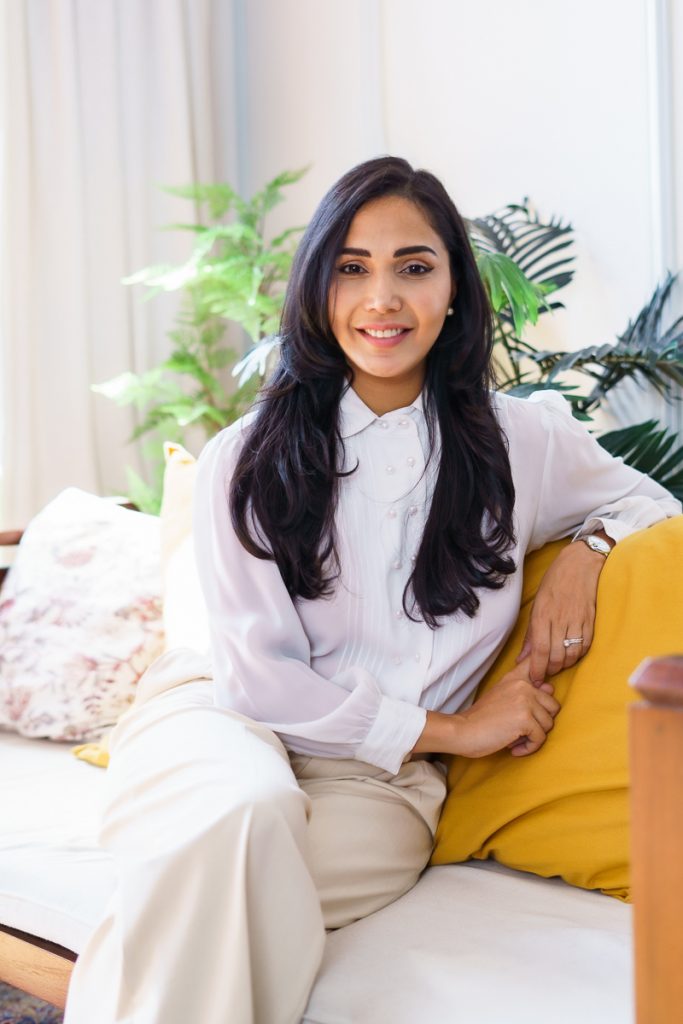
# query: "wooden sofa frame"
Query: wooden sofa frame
{"points": [[43, 968]]}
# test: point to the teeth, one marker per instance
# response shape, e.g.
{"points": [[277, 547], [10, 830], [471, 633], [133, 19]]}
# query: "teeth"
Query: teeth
{"points": [[384, 334]]}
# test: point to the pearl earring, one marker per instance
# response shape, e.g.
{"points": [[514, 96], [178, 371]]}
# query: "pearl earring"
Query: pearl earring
{"points": [[450, 311]]}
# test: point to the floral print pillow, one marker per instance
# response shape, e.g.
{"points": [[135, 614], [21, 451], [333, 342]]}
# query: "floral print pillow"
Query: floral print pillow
{"points": [[80, 617]]}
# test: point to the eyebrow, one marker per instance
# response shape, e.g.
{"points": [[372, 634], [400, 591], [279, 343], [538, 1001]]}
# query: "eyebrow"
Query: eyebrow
{"points": [[407, 250]]}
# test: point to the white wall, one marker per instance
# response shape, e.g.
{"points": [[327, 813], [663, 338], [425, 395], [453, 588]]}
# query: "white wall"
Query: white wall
{"points": [[508, 101], [314, 92], [500, 99]]}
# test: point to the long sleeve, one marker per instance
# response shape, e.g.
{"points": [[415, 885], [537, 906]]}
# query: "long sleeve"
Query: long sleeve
{"points": [[583, 488], [260, 650]]}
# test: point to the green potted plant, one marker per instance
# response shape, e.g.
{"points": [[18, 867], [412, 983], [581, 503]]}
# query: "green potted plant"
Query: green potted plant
{"points": [[232, 275], [645, 351]]}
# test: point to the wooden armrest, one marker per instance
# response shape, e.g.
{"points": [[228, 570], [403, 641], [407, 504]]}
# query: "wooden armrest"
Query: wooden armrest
{"points": [[41, 968], [656, 738], [10, 538]]}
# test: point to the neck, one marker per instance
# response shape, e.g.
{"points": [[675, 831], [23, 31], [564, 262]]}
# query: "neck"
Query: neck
{"points": [[384, 396]]}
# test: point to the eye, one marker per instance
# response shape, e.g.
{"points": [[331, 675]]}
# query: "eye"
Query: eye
{"points": [[350, 269], [416, 269]]}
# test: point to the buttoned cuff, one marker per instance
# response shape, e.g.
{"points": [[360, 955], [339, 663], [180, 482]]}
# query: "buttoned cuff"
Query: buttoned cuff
{"points": [[392, 735]]}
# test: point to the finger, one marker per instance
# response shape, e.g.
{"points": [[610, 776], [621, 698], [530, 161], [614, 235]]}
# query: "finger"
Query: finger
{"points": [[540, 652], [588, 628], [558, 652], [543, 717], [523, 748], [530, 743], [575, 651], [547, 701]]}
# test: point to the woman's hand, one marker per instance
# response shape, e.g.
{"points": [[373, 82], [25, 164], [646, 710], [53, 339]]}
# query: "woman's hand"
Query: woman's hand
{"points": [[514, 714], [564, 609]]}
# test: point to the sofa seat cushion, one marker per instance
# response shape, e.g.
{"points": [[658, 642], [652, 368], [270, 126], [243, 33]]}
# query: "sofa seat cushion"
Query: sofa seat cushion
{"points": [[481, 944], [470, 943], [54, 879]]}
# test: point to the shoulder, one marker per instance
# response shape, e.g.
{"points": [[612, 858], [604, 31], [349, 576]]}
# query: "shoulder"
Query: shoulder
{"points": [[219, 455], [535, 428], [542, 410], [539, 404], [225, 446]]}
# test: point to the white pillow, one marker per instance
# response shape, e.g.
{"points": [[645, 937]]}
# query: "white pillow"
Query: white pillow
{"points": [[80, 617]]}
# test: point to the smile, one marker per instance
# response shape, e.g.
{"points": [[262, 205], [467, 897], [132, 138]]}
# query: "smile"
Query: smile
{"points": [[384, 337], [390, 333]]}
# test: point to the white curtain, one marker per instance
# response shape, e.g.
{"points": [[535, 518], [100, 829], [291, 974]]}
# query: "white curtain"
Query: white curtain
{"points": [[101, 102]]}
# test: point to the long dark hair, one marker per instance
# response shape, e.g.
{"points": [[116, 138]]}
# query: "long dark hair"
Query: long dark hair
{"points": [[286, 482]]}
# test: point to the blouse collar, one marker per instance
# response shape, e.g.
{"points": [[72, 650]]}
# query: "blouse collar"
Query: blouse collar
{"points": [[355, 416]]}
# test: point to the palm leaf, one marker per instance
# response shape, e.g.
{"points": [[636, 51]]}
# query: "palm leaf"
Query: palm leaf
{"points": [[648, 448], [508, 287], [538, 250], [537, 247], [642, 352]]}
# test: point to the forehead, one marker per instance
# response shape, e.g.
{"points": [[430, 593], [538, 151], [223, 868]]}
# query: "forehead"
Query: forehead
{"points": [[389, 223]]}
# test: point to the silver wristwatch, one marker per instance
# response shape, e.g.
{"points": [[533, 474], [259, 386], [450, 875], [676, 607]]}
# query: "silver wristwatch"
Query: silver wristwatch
{"points": [[596, 544]]}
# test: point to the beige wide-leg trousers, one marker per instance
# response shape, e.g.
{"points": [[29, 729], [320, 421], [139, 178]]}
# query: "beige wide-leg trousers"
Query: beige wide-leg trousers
{"points": [[233, 857]]}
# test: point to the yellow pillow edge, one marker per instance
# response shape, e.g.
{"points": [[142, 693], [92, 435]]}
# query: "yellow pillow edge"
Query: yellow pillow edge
{"points": [[595, 859], [96, 754]]}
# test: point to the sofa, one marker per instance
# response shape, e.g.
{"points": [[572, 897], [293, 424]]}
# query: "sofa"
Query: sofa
{"points": [[481, 941]]}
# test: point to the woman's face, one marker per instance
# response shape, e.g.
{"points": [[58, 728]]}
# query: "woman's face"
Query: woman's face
{"points": [[391, 292]]}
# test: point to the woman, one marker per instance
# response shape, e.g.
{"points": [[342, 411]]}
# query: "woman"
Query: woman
{"points": [[359, 540]]}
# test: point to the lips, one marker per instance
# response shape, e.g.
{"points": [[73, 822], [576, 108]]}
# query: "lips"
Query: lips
{"points": [[384, 335]]}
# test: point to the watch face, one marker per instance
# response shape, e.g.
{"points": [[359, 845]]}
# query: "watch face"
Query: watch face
{"points": [[598, 544]]}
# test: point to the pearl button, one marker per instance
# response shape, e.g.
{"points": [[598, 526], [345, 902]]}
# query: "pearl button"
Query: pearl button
{"points": [[392, 513], [412, 511], [403, 423], [411, 461], [390, 469], [413, 559], [417, 657], [383, 425], [397, 660], [399, 613], [396, 565]]}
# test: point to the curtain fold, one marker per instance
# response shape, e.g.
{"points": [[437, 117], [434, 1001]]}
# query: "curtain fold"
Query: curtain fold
{"points": [[101, 103]]}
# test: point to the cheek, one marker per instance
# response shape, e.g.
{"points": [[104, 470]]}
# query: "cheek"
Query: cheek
{"points": [[435, 300], [434, 311]]}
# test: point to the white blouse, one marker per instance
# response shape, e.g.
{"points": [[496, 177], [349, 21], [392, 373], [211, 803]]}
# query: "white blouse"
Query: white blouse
{"points": [[351, 675]]}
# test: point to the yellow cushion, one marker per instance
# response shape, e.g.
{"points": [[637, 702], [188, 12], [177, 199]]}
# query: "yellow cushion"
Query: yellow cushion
{"points": [[564, 810], [96, 754]]}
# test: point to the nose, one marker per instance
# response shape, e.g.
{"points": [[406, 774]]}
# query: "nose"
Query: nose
{"points": [[382, 295]]}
